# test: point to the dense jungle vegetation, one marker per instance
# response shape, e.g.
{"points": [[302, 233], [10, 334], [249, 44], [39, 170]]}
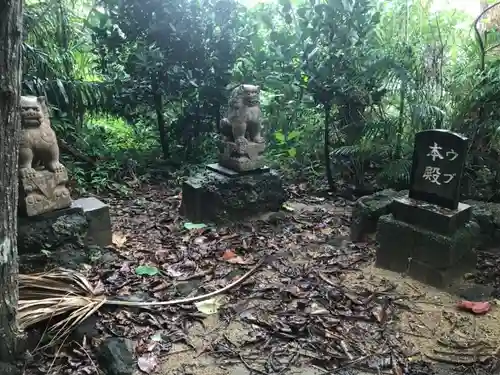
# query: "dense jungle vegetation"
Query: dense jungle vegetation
{"points": [[139, 86]]}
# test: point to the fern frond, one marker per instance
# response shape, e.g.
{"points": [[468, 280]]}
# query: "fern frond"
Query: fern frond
{"points": [[352, 150], [396, 171]]}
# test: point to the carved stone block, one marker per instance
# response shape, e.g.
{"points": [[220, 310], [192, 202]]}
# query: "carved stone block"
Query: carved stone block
{"points": [[97, 213], [53, 239], [215, 195], [242, 158], [43, 191], [425, 255], [430, 216]]}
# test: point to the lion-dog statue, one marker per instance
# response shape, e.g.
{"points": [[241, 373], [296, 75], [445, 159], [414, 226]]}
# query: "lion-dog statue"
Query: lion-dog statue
{"points": [[43, 190], [243, 144]]}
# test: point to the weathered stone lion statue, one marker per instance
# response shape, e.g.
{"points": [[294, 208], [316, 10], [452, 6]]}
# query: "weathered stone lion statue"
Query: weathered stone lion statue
{"points": [[243, 118], [38, 142], [243, 144], [42, 190]]}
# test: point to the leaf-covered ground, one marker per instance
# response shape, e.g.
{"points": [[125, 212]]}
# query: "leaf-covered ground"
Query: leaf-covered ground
{"points": [[315, 305]]}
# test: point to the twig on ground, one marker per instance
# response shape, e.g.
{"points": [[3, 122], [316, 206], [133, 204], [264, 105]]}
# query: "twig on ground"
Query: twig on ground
{"points": [[345, 349], [456, 345], [460, 353], [451, 361], [416, 334], [182, 301], [327, 280], [196, 275], [351, 363], [250, 368]]}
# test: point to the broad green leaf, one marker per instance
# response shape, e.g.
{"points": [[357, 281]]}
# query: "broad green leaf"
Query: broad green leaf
{"points": [[146, 271], [293, 134], [194, 226], [279, 136], [292, 152]]}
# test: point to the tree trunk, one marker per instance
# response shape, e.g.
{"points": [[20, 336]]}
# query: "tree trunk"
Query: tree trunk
{"points": [[10, 91], [160, 118], [328, 162]]}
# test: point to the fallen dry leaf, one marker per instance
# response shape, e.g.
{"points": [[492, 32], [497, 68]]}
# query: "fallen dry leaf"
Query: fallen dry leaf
{"points": [[237, 260], [209, 306], [161, 256], [119, 239], [228, 254], [380, 313], [147, 363]]}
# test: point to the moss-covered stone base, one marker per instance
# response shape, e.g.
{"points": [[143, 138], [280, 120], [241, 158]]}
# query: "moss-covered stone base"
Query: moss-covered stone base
{"points": [[52, 240], [487, 215], [429, 257], [210, 196], [367, 211]]}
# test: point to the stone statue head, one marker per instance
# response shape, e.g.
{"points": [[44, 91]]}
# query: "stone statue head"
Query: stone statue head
{"points": [[33, 110], [250, 94]]}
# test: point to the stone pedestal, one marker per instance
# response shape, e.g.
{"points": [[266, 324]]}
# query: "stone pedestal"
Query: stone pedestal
{"points": [[54, 239], [367, 211], [44, 192], [429, 216], [242, 157], [429, 243], [97, 213], [221, 194]]}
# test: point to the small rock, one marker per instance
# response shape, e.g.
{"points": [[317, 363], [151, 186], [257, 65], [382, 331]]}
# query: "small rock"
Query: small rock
{"points": [[116, 356]]}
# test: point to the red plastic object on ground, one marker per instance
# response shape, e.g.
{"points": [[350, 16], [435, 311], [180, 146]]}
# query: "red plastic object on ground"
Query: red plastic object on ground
{"points": [[474, 307]]}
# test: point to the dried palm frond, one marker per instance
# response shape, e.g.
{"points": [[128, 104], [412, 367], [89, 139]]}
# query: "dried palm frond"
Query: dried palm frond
{"points": [[46, 295]]}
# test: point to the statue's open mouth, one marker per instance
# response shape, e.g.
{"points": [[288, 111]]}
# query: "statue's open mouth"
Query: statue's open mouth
{"points": [[31, 122]]}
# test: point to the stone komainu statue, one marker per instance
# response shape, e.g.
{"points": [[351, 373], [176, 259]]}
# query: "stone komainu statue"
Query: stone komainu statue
{"points": [[244, 117], [243, 145], [43, 190], [38, 142]]}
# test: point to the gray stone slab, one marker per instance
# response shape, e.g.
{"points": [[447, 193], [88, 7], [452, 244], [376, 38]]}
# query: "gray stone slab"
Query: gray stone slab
{"points": [[211, 196], [430, 216], [216, 167], [97, 214]]}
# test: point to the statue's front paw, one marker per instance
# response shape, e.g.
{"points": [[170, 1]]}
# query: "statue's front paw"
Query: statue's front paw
{"points": [[27, 172], [56, 167], [259, 139]]}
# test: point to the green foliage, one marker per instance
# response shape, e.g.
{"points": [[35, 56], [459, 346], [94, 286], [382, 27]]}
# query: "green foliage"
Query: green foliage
{"points": [[58, 62], [345, 85]]}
